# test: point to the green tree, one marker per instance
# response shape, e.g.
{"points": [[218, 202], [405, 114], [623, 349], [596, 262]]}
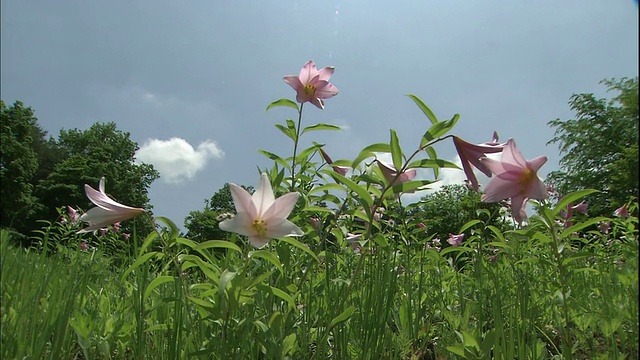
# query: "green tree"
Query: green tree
{"points": [[102, 150], [599, 147], [202, 225], [445, 211], [18, 165]]}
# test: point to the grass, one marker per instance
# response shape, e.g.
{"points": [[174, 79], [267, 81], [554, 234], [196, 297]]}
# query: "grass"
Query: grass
{"points": [[493, 298]]}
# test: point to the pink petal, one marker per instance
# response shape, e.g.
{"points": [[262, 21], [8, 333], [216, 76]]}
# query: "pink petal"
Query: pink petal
{"points": [[243, 201], [326, 72], [259, 241], [536, 189], [280, 208], [317, 102], [512, 155], [498, 189], [282, 229], [517, 202], [308, 72], [536, 164], [294, 82], [263, 198], [241, 224], [326, 91]]}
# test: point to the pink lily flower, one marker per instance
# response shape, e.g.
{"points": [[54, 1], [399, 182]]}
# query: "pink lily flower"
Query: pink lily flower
{"points": [[107, 211], [470, 154], [342, 170], [455, 240], [390, 173], [312, 85], [516, 178], [261, 216], [72, 214], [622, 212], [582, 208]]}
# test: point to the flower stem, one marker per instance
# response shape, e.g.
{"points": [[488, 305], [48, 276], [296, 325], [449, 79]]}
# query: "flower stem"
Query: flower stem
{"points": [[295, 149]]}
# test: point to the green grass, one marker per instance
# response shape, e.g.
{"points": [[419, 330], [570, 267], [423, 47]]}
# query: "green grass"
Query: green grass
{"points": [[180, 300]]}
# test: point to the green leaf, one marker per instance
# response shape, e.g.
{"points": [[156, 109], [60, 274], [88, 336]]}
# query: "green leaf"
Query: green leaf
{"points": [[370, 151], [283, 102], [569, 198], [287, 131], [576, 256], [433, 156], [225, 279], [412, 185], [275, 158], [321, 126], [469, 224], [380, 240], [425, 109], [293, 242], [218, 244], [173, 229], [439, 129], [396, 151], [344, 316], [139, 261], [267, 255], [433, 163], [581, 225], [363, 196], [284, 296], [155, 283]]}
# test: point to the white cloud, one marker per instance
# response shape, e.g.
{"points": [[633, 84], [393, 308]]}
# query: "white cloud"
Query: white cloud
{"points": [[176, 159]]}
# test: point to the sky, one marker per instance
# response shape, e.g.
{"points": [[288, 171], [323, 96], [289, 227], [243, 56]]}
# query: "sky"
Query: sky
{"points": [[190, 80]]}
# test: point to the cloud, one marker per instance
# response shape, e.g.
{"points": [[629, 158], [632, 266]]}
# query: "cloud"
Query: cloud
{"points": [[175, 159]]}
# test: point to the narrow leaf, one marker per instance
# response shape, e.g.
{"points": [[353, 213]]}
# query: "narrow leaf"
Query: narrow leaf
{"points": [[344, 316], [425, 109], [283, 102], [396, 151], [317, 127]]}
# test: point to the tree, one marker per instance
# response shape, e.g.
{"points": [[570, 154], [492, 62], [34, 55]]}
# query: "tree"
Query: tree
{"points": [[203, 225], [102, 150], [18, 165], [599, 147], [445, 211]]}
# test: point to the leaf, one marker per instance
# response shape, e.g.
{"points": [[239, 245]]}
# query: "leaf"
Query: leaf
{"points": [[218, 244], [344, 316], [321, 126], [364, 198], [433, 156], [409, 186], [380, 240], [581, 225], [225, 279], [370, 151], [433, 163], [283, 102], [155, 283], [396, 151], [267, 255], [572, 197], [293, 242], [287, 131], [425, 109], [469, 224], [439, 129], [284, 296], [173, 229], [275, 158], [576, 256], [139, 261]]}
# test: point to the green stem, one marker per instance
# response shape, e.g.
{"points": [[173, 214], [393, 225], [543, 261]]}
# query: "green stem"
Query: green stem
{"points": [[295, 149]]}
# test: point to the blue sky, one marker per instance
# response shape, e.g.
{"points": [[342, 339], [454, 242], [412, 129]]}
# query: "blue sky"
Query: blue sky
{"points": [[190, 80]]}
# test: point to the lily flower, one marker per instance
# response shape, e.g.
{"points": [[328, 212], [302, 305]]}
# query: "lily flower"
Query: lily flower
{"points": [[72, 214], [312, 85], [622, 212], [390, 173], [470, 154], [342, 170], [455, 240], [261, 217], [516, 178], [107, 211], [582, 208]]}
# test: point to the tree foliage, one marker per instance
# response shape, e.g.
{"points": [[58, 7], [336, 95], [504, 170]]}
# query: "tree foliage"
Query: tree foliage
{"points": [[40, 174], [599, 147], [445, 211], [18, 164], [202, 225]]}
